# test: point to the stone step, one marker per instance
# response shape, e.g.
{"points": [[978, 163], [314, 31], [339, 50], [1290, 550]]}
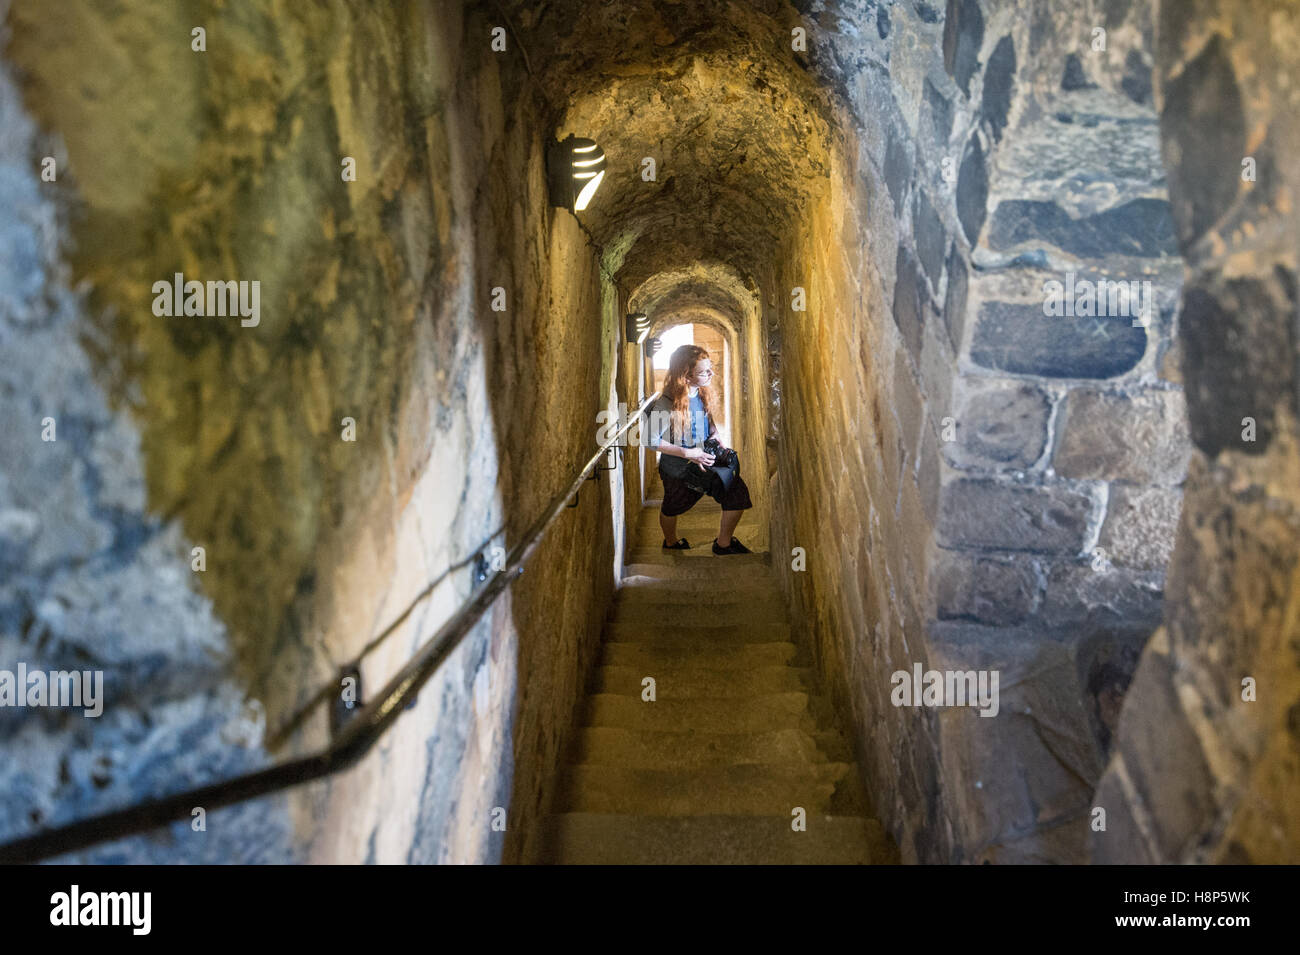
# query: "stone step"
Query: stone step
{"points": [[704, 611], [736, 656], [721, 603], [699, 529], [699, 532], [642, 749], [737, 738], [773, 712], [753, 583], [693, 521], [665, 633], [747, 789], [657, 555], [608, 839], [706, 511], [693, 683], [721, 572]]}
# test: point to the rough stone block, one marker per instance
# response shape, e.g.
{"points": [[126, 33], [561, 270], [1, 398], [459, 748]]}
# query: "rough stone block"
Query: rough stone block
{"points": [[1004, 426], [963, 35], [1239, 357], [1113, 437], [1203, 105], [1038, 519], [898, 169], [931, 237], [999, 77], [992, 590], [1022, 340], [940, 113], [1164, 757], [909, 298], [1086, 601], [908, 402], [1141, 227], [1033, 764], [972, 191], [954, 302], [1140, 526], [1239, 549]]}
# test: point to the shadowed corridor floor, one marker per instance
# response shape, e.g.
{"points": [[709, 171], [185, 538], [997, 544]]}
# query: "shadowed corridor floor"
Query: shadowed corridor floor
{"points": [[737, 737]]}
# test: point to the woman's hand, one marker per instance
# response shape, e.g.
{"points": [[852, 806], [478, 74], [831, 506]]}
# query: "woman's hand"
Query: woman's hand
{"points": [[701, 457]]}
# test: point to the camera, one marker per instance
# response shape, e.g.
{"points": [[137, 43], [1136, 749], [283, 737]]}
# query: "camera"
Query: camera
{"points": [[722, 457]]}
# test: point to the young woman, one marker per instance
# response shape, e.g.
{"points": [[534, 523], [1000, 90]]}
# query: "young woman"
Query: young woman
{"points": [[684, 411]]}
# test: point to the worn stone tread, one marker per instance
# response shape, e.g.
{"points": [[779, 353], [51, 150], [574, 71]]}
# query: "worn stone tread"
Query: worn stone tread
{"points": [[692, 682], [745, 789], [650, 749], [613, 839], [738, 655], [736, 739], [775, 711], [708, 633]]}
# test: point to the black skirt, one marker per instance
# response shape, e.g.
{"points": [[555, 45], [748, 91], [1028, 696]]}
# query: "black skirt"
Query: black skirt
{"points": [[678, 498]]}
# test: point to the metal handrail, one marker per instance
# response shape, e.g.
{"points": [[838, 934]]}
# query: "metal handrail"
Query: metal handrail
{"points": [[353, 741]]}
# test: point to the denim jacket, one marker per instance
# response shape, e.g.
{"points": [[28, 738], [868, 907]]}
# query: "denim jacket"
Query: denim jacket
{"points": [[660, 424]]}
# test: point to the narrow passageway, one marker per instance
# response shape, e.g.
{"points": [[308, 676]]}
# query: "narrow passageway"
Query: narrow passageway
{"points": [[739, 759], [324, 331], [703, 737]]}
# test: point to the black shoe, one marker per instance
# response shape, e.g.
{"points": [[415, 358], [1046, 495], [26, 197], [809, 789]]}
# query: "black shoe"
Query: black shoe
{"points": [[735, 547], [682, 544]]}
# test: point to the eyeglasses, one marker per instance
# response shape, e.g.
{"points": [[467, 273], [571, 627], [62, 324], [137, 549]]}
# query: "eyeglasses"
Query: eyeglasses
{"points": [[707, 371]]}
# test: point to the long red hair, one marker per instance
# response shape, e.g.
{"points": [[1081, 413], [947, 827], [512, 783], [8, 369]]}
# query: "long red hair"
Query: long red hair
{"points": [[681, 365]]}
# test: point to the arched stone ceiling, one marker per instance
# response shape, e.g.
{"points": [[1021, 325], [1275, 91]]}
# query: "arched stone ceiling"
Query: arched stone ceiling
{"points": [[707, 289], [696, 315], [740, 132]]}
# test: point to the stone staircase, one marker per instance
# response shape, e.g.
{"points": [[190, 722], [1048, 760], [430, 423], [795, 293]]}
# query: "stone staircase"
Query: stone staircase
{"points": [[736, 739]]}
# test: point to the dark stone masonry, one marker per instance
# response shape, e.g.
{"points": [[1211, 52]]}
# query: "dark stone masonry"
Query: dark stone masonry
{"points": [[949, 467]]}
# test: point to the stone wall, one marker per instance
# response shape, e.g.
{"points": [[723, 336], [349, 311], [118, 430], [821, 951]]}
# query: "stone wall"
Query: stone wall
{"points": [[970, 481], [90, 579], [1206, 765], [1014, 476], [376, 305], [956, 465]]}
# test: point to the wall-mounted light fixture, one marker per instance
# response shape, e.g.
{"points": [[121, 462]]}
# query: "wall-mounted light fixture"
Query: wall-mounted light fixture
{"points": [[574, 169], [638, 327], [652, 346]]}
